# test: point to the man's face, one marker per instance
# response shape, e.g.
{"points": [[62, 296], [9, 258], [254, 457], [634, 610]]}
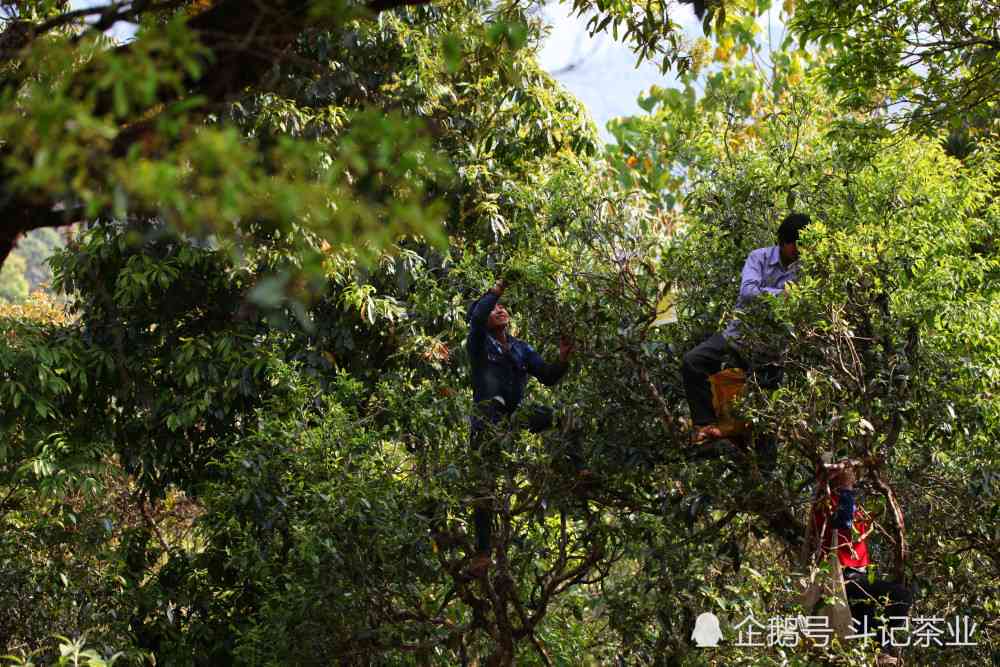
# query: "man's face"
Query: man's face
{"points": [[789, 253], [499, 317]]}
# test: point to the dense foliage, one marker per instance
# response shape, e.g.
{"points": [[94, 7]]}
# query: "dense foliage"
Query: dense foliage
{"points": [[244, 439], [930, 64]]}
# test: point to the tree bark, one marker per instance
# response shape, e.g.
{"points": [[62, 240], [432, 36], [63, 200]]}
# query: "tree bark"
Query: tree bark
{"points": [[902, 550], [16, 220]]}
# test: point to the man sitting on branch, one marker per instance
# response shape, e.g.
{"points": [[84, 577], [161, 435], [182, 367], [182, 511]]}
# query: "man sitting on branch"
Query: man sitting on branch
{"points": [[766, 271]]}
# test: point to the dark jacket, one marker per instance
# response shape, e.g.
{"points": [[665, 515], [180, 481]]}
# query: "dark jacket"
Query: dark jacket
{"points": [[496, 373]]}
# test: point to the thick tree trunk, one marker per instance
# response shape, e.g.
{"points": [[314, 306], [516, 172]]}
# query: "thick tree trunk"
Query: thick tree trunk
{"points": [[17, 220], [6, 245]]}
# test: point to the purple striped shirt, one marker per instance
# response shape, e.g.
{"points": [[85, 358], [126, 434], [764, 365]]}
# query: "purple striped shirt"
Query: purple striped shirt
{"points": [[762, 272]]}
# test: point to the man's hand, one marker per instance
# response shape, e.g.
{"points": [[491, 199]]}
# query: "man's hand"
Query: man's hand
{"points": [[566, 347]]}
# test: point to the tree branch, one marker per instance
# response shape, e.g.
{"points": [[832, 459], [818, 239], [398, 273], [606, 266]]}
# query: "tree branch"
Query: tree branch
{"points": [[902, 551], [17, 220], [384, 5]]}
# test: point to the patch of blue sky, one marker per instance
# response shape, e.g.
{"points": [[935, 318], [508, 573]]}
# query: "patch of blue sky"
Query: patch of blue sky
{"points": [[601, 71], [122, 31]]}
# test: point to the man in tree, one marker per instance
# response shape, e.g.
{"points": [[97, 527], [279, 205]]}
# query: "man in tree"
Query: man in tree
{"points": [[766, 271], [500, 365], [870, 599]]}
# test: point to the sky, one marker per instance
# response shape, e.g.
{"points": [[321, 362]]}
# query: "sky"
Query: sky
{"points": [[121, 31], [600, 71]]}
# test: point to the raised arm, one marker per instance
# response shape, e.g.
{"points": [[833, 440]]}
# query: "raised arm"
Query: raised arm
{"points": [[480, 314], [843, 517], [842, 482]]}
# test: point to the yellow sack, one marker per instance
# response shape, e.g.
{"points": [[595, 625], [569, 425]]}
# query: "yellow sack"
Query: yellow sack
{"points": [[727, 385]]}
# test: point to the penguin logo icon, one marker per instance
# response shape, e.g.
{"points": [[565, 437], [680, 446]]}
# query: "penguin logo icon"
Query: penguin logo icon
{"points": [[706, 631]]}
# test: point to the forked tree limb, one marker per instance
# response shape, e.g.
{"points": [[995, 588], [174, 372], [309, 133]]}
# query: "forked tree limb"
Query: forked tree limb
{"points": [[882, 483], [899, 524], [18, 220]]}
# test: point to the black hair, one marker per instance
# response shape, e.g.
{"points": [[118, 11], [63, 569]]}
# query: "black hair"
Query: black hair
{"points": [[788, 231]]}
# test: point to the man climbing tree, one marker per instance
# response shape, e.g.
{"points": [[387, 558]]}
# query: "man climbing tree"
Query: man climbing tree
{"points": [[870, 599], [766, 271], [500, 365]]}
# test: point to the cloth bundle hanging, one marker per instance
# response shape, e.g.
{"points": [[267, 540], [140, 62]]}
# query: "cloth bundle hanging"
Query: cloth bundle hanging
{"points": [[827, 583]]}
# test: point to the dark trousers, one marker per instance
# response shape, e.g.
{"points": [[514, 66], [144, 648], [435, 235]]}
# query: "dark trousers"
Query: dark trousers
{"points": [[705, 360], [698, 363], [869, 601], [536, 419]]}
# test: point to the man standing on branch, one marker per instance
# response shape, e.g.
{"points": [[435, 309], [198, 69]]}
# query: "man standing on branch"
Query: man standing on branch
{"points": [[501, 365], [871, 600], [766, 271]]}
